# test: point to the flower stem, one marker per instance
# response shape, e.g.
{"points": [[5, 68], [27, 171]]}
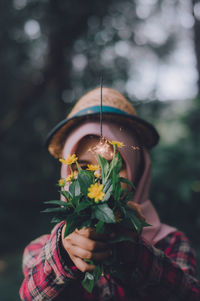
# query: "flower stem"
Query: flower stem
{"points": [[78, 166], [71, 169], [114, 147]]}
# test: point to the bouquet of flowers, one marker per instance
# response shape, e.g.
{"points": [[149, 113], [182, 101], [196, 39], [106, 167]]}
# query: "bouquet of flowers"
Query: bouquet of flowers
{"points": [[95, 198]]}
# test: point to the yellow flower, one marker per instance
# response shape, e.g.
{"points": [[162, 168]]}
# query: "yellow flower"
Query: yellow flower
{"points": [[70, 160], [117, 143], [72, 176], [95, 192], [61, 183], [93, 167]]}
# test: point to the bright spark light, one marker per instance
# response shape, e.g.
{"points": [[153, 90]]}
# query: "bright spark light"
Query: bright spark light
{"points": [[135, 147], [103, 148]]}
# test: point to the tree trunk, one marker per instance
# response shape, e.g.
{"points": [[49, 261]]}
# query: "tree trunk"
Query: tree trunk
{"points": [[197, 43]]}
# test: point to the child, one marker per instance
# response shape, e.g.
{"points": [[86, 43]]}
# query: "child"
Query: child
{"points": [[158, 266]]}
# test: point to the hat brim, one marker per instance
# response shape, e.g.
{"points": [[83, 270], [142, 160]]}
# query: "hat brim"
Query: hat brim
{"points": [[144, 130]]}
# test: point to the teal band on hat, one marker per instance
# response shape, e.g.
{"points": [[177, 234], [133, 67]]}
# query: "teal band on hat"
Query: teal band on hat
{"points": [[147, 133], [96, 109]]}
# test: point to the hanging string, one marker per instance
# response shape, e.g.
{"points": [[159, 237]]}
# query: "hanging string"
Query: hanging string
{"points": [[101, 101]]}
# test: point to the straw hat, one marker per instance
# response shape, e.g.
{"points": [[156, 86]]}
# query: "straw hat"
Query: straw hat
{"points": [[115, 108]]}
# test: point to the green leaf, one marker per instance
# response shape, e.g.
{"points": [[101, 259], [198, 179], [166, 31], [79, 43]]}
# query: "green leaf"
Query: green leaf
{"points": [[88, 173], [129, 196], [71, 225], [56, 220], [107, 195], [116, 163], [85, 180], [136, 222], [75, 221], [88, 282], [144, 224], [116, 186], [58, 202], [103, 213], [74, 189], [107, 189], [107, 185], [82, 205], [76, 200], [124, 180], [104, 168], [86, 223], [65, 194], [50, 210], [97, 272], [100, 227], [115, 179]]}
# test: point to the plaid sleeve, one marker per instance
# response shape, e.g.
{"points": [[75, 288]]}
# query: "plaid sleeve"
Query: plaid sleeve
{"points": [[166, 271], [45, 270]]}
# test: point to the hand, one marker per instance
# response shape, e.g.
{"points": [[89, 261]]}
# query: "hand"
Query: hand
{"points": [[126, 249], [86, 244]]}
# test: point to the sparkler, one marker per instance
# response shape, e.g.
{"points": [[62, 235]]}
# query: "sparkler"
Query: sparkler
{"points": [[103, 147]]}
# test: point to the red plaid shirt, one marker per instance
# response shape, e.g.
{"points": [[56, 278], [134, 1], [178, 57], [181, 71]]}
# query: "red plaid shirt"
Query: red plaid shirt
{"points": [[165, 271]]}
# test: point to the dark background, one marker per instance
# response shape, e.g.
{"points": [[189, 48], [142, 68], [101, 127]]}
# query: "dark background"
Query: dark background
{"points": [[53, 51]]}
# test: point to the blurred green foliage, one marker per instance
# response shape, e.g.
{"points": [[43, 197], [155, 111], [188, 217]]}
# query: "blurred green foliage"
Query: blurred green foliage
{"points": [[40, 41], [176, 183]]}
